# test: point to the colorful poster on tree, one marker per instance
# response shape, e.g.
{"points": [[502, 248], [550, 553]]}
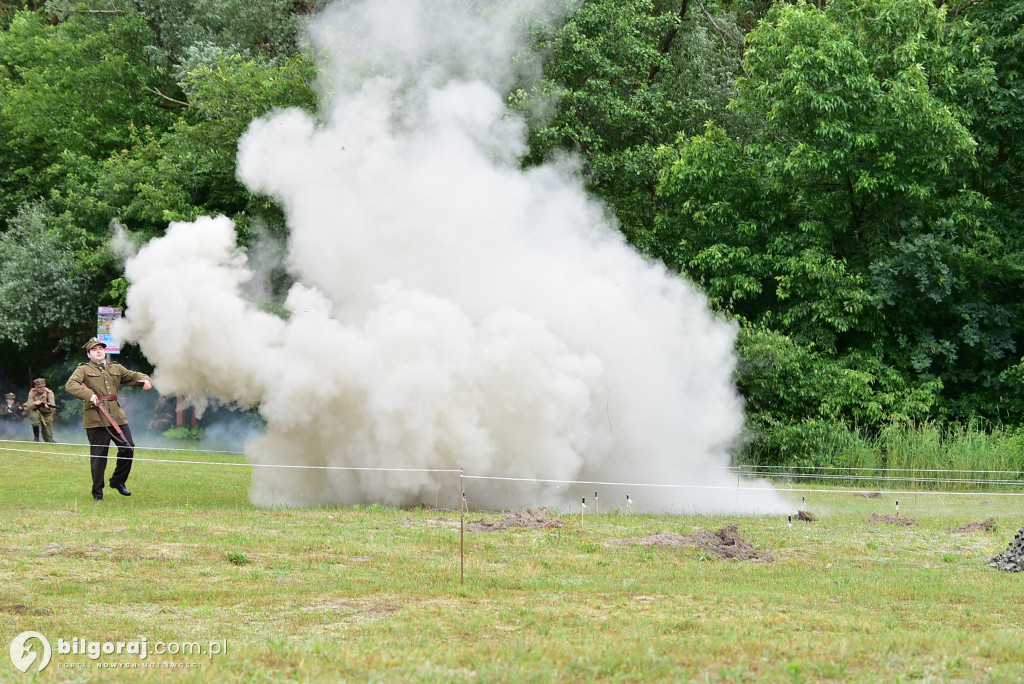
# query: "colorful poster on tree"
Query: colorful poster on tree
{"points": [[105, 316]]}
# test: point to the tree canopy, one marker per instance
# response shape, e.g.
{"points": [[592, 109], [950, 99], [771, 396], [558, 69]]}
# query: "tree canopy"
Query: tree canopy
{"points": [[843, 179], [131, 115], [862, 219]]}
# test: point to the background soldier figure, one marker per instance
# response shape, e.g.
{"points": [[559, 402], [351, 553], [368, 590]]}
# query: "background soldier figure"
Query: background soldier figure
{"points": [[163, 415], [97, 382], [11, 413], [41, 409]]}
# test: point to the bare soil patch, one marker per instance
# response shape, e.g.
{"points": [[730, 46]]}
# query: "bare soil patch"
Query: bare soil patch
{"points": [[534, 517], [870, 495], [726, 543], [893, 520], [62, 551], [988, 525], [21, 609]]}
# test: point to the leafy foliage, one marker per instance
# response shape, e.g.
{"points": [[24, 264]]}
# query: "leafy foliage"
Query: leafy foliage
{"points": [[625, 77], [849, 222], [70, 88], [189, 170], [44, 290], [112, 116], [843, 178]]}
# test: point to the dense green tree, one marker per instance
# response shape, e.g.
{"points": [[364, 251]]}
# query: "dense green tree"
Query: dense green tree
{"points": [[191, 32], [189, 170], [845, 180], [45, 287], [71, 88], [850, 221], [130, 113], [621, 78], [1000, 133]]}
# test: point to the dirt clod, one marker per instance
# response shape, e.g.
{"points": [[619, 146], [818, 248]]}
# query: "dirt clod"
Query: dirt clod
{"points": [[21, 609], [893, 520], [726, 543], [988, 525], [536, 516]]}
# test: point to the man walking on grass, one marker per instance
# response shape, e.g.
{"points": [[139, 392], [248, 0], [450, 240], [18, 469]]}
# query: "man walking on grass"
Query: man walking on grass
{"points": [[97, 382]]}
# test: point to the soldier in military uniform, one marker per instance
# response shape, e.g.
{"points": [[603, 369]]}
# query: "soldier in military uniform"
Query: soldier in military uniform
{"points": [[164, 415], [97, 382], [41, 410], [11, 413]]}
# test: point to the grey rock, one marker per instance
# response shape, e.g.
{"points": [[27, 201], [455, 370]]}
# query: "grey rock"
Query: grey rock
{"points": [[1011, 560]]}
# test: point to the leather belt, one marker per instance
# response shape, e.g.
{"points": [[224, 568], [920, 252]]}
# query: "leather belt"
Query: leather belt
{"points": [[111, 397]]}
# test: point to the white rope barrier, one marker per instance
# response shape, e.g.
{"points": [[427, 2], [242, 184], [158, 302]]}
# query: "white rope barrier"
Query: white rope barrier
{"points": [[757, 468], [609, 484], [243, 464], [739, 486], [909, 492], [887, 478], [137, 448], [748, 470]]}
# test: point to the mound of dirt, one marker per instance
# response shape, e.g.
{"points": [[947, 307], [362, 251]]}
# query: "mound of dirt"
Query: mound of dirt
{"points": [[870, 495], [893, 520], [1011, 560], [988, 525], [726, 543], [806, 516], [537, 516]]}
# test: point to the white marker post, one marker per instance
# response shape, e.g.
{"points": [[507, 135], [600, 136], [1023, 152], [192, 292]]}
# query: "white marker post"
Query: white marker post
{"points": [[462, 528], [583, 509], [629, 504]]}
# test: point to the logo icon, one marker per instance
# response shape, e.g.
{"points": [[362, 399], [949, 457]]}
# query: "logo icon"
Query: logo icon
{"points": [[22, 656]]}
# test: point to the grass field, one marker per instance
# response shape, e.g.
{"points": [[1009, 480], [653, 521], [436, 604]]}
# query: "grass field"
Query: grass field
{"points": [[374, 594]]}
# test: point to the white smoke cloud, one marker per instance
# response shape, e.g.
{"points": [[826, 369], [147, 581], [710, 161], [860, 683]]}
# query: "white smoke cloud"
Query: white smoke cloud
{"points": [[121, 241], [450, 309]]}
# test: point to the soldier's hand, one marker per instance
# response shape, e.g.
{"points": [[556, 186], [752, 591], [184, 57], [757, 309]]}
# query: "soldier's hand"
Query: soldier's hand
{"points": [[95, 400], [146, 384]]}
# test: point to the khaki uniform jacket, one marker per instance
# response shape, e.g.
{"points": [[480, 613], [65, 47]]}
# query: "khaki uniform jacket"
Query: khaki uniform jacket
{"points": [[103, 381], [37, 394]]}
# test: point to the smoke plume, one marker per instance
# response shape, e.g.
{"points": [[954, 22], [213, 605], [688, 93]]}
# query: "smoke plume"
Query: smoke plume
{"points": [[450, 310]]}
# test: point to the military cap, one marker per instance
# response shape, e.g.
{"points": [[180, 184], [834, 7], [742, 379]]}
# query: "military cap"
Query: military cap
{"points": [[10, 395], [39, 382], [93, 343]]}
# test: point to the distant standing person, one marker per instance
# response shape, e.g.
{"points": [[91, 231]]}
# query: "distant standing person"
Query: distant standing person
{"points": [[11, 413], [41, 410], [97, 382]]}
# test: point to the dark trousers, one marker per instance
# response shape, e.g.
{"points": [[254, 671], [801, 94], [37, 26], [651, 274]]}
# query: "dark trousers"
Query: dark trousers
{"points": [[99, 445]]}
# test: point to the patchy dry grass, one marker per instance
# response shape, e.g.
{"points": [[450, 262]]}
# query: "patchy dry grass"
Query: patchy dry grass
{"points": [[327, 594]]}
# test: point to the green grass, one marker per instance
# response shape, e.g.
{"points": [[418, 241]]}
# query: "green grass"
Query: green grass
{"points": [[374, 594], [925, 456]]}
